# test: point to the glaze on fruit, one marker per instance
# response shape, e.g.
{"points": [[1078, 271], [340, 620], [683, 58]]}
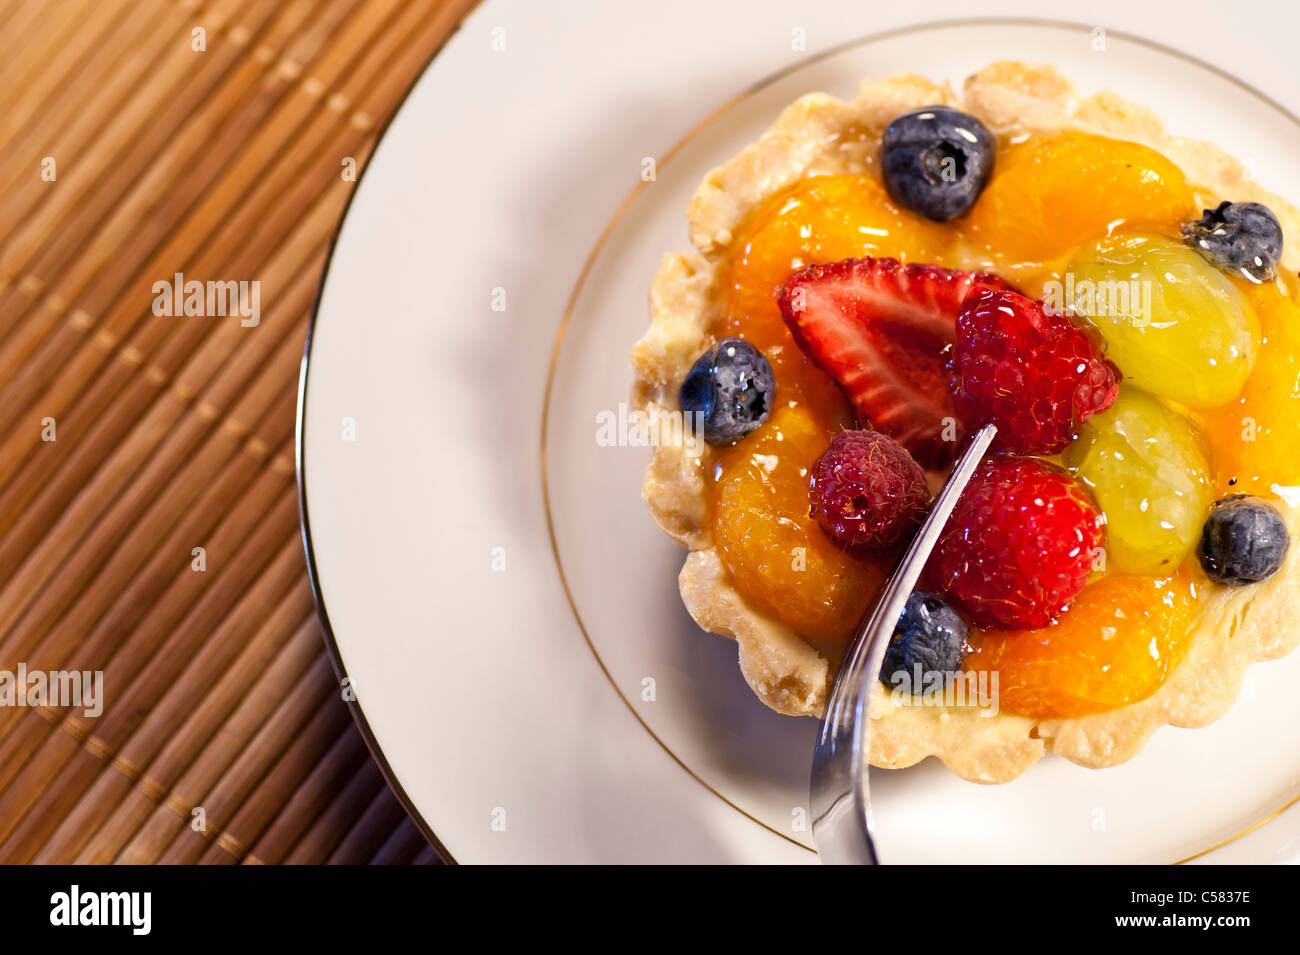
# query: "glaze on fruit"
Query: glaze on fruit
{"points": [[1221, 363], [1052, 194], [822, 219], [1175, 325], [1143, 464], [777, 554], [1116, 646]]}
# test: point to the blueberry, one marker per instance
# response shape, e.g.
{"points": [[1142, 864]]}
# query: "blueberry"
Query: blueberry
{"points": [[1239, 237], [1244, 540], [732, 387], [930, 634], [936, 161]]}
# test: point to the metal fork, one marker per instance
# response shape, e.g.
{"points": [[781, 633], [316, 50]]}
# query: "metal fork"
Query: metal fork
{"points": [[841, 807]]}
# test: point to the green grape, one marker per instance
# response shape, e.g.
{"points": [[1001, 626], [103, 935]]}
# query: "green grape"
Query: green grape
{"points": [[1144, 465], [1174, 324]]}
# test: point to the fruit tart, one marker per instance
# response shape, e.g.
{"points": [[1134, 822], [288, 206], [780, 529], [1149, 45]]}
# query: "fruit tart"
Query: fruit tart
{"points": [[873, 280]]}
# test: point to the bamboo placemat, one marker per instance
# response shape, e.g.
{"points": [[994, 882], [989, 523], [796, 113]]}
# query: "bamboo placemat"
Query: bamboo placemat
{"points": [[140, 139]]}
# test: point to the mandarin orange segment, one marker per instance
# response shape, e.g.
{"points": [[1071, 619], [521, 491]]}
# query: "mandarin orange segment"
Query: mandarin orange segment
{"points": [[1255, 439], [777, 555], [819, 220], [1050, 195], [1117, 644]]}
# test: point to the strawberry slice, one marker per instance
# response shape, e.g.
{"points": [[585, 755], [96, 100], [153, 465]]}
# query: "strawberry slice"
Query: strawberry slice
{"points": [[880, 328]]}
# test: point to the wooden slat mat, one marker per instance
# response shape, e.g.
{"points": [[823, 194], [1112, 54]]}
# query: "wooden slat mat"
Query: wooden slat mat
{"points": [[129, 439]]}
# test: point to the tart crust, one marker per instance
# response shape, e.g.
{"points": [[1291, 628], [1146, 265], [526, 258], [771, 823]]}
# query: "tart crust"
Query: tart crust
{"points": [[819, 134]]}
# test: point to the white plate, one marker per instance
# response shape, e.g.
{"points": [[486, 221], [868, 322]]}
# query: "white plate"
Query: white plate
{"points": [[515, 732]]}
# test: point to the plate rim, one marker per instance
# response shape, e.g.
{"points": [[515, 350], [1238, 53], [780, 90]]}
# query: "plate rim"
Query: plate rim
{"points": [[300, 471]]}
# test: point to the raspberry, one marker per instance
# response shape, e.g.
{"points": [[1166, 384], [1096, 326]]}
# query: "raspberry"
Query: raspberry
{"points": [[1036, 376], [1019, 544], [867, 491]]}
